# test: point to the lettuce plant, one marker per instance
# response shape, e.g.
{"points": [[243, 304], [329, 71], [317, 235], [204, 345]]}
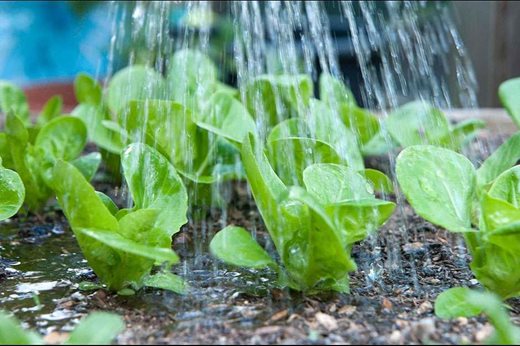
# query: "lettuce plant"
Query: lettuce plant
{"points": [[420, 123], [340, 99], [411, 124], [94, 112], [12, 192], [464, 302], [32, 150], [124, 246], [274, 98], [63, 138], [509, 92], [189, 116], [98, 328], [444, 188], [12, 99], [294, 144], [312, 228]]}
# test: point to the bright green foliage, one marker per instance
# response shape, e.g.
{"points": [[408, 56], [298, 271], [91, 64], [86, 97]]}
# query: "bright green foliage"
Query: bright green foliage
{"points": [[12, 99], [56, 140], [51, 110], [132, 83], [292, 145], [87, 90], [226, 117], [12, 192], [155, 184], [166, 281], [191, 79], [32, 157], [509, 93], [123, 250], [341, 100], [165, 125], [236, 246], [363, 123], [439, 184], [464, 302], [94, 112], [94, 117], [274, 98], [444, 188], [31, 150], [290, 156], [11, 333], [348, 198], [88, 164], [189, 117], [98, 328], [379, 180], [462, 133], [310, 228], [411, 124], [196, 145], [331, 183], [502, 158], [327, 127], [419, 123], [455, 302], [334, 93]]}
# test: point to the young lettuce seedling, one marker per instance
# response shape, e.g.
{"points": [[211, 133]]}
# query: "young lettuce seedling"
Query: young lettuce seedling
{"points": [[190, 82], [12, 99], [444, 188], [12, 192], [420, 123], [305, 130], [296, 143], [411, 124], [319, 126], [509, 93], [464, 302], [202, 146], [274, 98], [189, 116], [340, 99], [123, 246], [31, 150], [98, 328], [312, 229]]}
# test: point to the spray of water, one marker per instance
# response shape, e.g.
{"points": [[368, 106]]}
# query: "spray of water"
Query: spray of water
{"points": [[405, 51]]}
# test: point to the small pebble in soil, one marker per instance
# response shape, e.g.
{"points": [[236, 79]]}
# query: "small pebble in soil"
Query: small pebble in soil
{"points": [[326, 321], [416, 248]]}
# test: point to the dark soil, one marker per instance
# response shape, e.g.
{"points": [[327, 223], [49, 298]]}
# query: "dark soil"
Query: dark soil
{"points": [[401, 271]]}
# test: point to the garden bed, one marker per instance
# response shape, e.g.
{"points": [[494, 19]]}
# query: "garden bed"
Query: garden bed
{"points": [[401, 271]]}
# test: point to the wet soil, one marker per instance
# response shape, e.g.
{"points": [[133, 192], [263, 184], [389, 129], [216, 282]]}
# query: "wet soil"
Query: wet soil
{"points": [[401, 271]]}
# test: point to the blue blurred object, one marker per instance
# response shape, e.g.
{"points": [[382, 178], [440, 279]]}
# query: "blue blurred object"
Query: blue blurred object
{"points": [[42, 41]]}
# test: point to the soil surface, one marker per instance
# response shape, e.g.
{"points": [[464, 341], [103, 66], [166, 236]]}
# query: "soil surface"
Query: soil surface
{"points": [[401, 271]]}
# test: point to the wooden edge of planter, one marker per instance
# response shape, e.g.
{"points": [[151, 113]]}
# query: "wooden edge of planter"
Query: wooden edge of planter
{"points": [[497, 120], [39, 94]]}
